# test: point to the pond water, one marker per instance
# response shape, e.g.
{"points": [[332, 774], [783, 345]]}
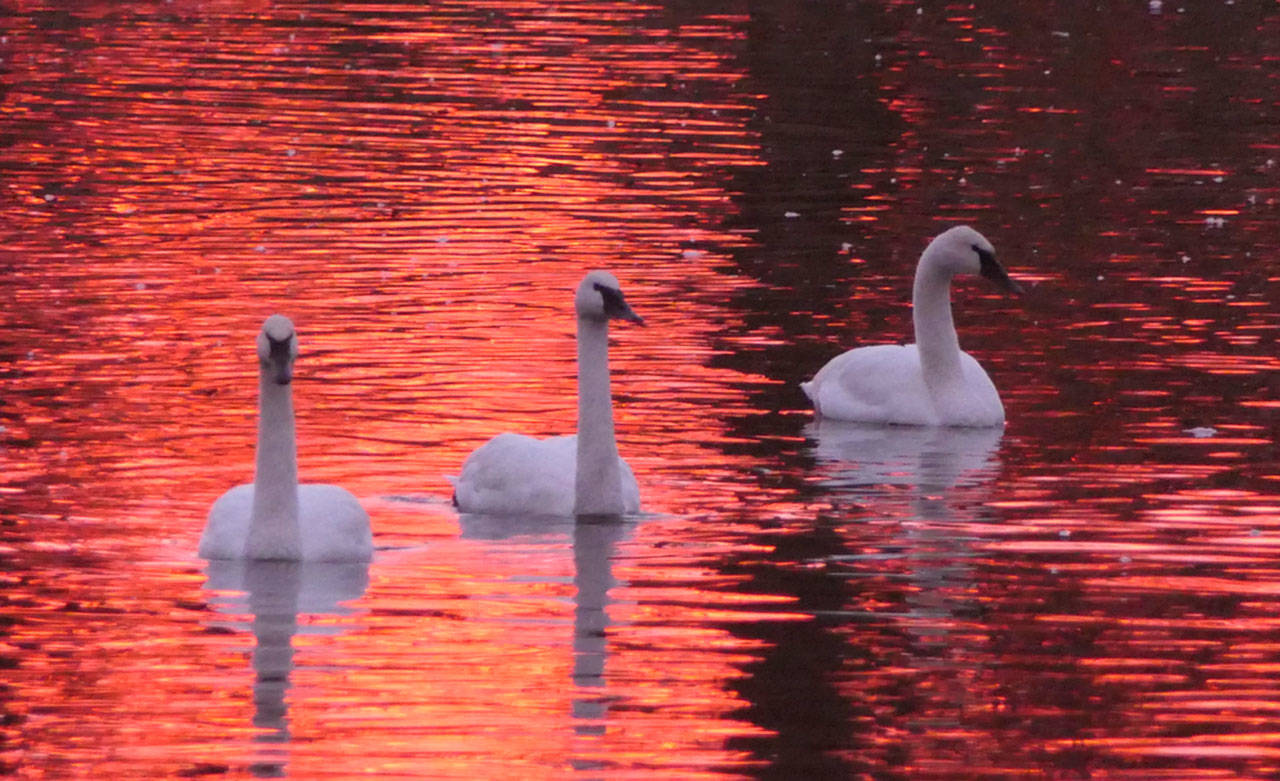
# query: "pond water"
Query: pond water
{"points": [[1093, 591]]}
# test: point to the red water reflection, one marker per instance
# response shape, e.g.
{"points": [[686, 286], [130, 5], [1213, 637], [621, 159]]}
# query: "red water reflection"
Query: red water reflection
{"points": [[421, 187], [420, 190]]}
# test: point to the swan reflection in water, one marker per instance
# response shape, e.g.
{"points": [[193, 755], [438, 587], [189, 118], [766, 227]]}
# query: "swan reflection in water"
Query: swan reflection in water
{"points": [[274, 593], [917, 486], [595, 542], [862, 458]]}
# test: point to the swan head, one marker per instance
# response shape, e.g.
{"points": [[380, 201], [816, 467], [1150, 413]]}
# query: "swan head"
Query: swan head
{"points": [[600, 298], [277, 348], [962, 250]]}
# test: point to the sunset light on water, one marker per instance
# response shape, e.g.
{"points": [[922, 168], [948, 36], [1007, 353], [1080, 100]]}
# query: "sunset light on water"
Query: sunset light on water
{"points": [[1092, 591]]}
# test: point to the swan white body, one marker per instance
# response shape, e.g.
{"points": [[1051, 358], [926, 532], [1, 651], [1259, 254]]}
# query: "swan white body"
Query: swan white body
{"points": [[513, 473], [932, 382], [579, 474], [275, 518]]}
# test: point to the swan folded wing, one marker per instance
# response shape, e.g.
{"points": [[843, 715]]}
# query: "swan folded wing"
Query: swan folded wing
{"points": [[513, 473], [877, 384], [334, 525], [630, 488], [227, 526], [976, 403]]}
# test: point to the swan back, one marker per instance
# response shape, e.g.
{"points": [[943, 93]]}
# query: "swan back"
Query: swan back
{"points": [[513, 473]]}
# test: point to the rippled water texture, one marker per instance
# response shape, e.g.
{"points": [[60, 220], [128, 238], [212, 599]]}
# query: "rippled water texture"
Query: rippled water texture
{"points": [[1096, 590]]}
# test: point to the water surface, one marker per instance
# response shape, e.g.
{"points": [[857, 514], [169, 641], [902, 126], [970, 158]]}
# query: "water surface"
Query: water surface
{"points": [[1093, 590]]}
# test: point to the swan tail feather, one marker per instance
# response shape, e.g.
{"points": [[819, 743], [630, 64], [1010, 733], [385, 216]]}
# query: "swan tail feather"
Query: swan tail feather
{"points": [[812, 393]]}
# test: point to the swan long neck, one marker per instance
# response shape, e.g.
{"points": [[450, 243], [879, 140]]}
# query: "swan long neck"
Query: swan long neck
{"points": [[934, 329], [598, 480], [274, 531]]}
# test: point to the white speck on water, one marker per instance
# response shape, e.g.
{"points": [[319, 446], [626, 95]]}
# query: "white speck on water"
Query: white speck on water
{"points": [[791, 215], [611, 123], [837, 153], [1125, 560], [290, 152], [1155, 6], [692, 254], [1201, 432], [442, 239], [50, 197], [845, 246], [1099, 277], [1061, 34], [139, 285], [260, 248], [1186, 258], [1064, 533]]}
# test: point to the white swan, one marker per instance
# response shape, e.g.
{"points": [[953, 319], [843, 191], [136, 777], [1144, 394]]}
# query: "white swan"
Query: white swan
{"points": [[273, 517], [579, 474], [932, 382]]}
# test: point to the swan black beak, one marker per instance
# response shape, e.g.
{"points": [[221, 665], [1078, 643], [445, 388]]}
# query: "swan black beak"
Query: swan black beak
{"points": [[282, 359], [631, 316], [992, 270]]}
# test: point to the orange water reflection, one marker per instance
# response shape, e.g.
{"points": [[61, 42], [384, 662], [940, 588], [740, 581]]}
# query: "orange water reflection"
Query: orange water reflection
{"points": [[421, 187]]}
